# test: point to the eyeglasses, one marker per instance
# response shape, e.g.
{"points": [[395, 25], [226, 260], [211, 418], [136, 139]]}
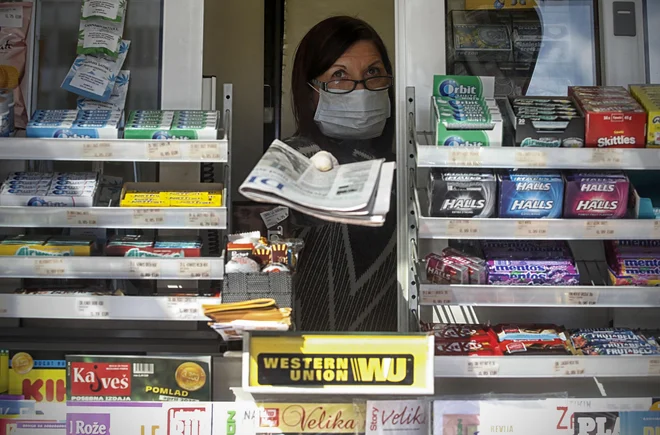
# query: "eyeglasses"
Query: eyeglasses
{"points": [[344, 86]]}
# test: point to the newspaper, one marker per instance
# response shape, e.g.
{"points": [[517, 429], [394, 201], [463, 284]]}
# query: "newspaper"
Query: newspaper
{"points": [[355, 193]]}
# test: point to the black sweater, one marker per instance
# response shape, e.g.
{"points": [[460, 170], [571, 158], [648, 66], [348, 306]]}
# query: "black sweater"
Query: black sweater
{"points": [[346, 277]]}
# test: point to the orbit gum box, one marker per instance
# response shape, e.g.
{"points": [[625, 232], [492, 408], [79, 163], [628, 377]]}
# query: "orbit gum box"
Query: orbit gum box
{"points": [[531, 194], [602, 194], [612, 117], [92, 378]]}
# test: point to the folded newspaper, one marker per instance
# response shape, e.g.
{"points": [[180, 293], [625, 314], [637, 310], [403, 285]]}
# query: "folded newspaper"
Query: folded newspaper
{"points": [[354, 193]]}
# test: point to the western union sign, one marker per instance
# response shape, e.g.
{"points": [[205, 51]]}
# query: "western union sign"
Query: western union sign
{"points": [[360, 363]]}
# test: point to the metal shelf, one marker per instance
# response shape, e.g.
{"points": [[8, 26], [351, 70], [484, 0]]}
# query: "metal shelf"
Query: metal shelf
{"points": [[112, 268], [114, 217], [431, 156], [114, 150], [104, 307], [539, 366]]}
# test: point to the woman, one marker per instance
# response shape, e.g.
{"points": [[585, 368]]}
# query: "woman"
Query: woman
{"points": [[342, 101]]}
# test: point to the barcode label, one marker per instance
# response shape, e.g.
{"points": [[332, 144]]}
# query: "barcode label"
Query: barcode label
{"points": [[143, 369]]}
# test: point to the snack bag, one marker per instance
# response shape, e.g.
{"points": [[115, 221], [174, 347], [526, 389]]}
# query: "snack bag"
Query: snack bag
{"points": [[14, 27], [109, 10], [117, 99]]}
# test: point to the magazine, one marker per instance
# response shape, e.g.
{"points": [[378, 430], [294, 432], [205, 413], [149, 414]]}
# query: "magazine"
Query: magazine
{"points": [[354, 193]]}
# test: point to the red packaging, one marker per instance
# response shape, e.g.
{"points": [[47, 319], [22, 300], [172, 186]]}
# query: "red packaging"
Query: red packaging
{"points": [[542, 347], [440, 270], [613, 118]]}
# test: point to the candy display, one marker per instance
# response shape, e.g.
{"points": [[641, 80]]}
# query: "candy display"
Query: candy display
{"points": [[464, 112], [612, 341], [78, 124], [60, 189], [546, 122], [250, 252], [148, 247], [531, 194], [172, 195], [455, 267], [472, 340], [596, 194], [633, 262], [47, 246], [466, 193], [649, 97], [172, 124], [530, 263], [613, 118]]}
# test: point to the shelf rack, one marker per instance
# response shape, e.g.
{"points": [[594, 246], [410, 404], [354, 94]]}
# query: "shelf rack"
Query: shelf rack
{"points": [[416, 228]]}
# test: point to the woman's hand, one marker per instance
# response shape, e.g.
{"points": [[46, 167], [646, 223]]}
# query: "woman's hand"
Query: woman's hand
{"points": [[324, 161]]}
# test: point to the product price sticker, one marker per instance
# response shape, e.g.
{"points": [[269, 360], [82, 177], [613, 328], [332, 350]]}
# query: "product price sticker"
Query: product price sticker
{"points": [[184, 308], [654, 367], [203, 219], [569, 367], [205, 151], [147, 216], [462, 227], [49, 267], [531, 228], [467, 156], [195, 269], [92, 307], [598, 229], [437, 297], [607, 157], [145, 268], [582, 297], [11, 17], [101, 150], [164, 151], [531, 159], [656, 228], [81, 218], [481, 367]]}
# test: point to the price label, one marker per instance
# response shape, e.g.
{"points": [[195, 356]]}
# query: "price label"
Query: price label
{"points": [[582, 298], [11, 17], [146, 269], [184, 308], [101, 150], [204, 219], [654, 367], [598, 229], [531, 228], [607, 157], [197, 269], [531, 159], [468, 156], [463, 227], [91, 307], [437, 297], [148, 217], [81, 218], [656, 228], [49, 267], [483, 367], [569, 367], [164, 151], [205, 151]]}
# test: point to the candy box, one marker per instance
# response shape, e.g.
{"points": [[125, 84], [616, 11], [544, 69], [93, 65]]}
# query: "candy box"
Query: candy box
{"points": [[531, 272], [468, 193], [482, 41], [441, 270], [146, 247], [649, 97], [596, 195], [612, 117], [528, 194], [476, 266], [92, 378]]}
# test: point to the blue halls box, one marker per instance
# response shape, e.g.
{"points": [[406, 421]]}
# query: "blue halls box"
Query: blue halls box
{"points": [[531, 194]]}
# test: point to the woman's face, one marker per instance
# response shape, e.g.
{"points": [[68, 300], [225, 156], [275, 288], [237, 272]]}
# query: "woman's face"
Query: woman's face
{"points": [[361, 61]]}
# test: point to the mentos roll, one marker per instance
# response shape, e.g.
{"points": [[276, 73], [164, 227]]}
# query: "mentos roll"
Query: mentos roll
{"points": [[601, 194], [465, 193], [531, 194]]}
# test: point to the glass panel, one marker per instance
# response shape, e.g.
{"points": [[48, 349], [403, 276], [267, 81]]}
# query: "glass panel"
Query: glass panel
{"points": [[532, 48], [59, 21]]}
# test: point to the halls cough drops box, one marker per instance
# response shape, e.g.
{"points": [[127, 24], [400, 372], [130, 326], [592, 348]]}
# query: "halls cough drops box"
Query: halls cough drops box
{"points": [[93, 378]]}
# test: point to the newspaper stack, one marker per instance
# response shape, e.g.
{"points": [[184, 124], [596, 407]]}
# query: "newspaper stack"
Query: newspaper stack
{"points": [[355, 193], [232, 319]]}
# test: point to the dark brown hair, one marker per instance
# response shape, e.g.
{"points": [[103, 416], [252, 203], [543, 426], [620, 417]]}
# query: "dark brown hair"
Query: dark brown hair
{"points": [[319, 49]]}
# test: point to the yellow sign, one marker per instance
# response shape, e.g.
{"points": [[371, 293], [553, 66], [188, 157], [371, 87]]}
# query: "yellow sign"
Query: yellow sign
{"points": [[499, 4], [352, 363], [311, 418]]}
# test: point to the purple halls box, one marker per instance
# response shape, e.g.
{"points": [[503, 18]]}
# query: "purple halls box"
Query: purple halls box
{"points": [[600, 195]]}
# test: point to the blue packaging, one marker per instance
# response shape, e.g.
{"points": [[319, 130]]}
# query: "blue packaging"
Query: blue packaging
{"points": [[531, 194]]}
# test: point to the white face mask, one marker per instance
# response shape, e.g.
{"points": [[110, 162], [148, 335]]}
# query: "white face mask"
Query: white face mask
{"points": [[360, 114]]}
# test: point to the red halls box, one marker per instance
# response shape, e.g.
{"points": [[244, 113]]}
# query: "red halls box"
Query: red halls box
{"points": [[612, 117]]}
